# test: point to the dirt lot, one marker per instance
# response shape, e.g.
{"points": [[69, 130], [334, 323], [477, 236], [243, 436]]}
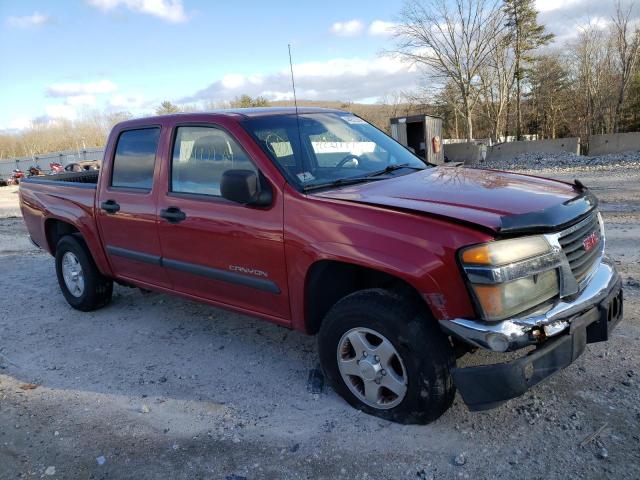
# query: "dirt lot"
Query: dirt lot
{"points": [[157, 387]]}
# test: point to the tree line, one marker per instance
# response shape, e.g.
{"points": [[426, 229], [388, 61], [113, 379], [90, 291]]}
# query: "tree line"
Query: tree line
{"points": [[492, 70], [92, 128]]}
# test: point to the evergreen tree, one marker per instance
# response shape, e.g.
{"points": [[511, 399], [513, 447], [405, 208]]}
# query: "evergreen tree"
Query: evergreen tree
{"points": [[246, 101], [525, 35], [167, 108], [549, 96]]}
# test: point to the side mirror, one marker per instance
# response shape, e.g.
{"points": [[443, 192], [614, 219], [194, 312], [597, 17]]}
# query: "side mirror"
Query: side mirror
{"points": [[243, 186]]}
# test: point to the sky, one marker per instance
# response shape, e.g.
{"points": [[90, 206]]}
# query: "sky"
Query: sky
{"points": [[65, 57]]}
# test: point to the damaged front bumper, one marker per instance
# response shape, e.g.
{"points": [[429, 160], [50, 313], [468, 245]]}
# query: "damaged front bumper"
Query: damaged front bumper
{"points": [[515, 333], [564, 330]]}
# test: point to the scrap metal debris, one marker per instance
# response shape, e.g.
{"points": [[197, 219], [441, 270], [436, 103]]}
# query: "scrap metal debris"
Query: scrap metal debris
{"points": [[590, 438]]}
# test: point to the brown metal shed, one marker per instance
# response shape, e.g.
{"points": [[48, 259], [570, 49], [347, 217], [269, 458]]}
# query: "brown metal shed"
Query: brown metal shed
{"points": [[421, 133]]}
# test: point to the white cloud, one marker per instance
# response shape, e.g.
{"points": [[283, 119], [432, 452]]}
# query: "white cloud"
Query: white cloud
{"points": [[168, 10], [566, 19], [233, 81], [600, 22], [76, 97], [78, 89], [64, 111], [35, 20], [381, 28], [344, 79], [349, 28], [127, 101], [550, 5]]}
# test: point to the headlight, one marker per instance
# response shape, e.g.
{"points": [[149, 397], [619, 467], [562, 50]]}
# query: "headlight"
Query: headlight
{"points": [[508, 277]]}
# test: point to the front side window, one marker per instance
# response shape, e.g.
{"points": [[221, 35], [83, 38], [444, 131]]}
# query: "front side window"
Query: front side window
{"points": [[200, 156], [319, 149], [135, 158]]}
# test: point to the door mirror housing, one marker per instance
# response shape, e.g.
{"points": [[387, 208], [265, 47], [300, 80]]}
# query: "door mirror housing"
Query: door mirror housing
{"points": [[245, 187]]}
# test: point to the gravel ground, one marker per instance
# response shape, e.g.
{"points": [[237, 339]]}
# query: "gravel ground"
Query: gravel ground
{"points": [[158, 387], [558, 162]]}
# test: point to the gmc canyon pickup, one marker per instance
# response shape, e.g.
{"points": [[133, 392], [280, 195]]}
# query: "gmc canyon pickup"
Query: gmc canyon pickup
{"points": [[320, 222]]}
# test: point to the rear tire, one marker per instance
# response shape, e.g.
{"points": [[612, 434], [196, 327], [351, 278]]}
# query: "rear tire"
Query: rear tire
{"points": [[82, 284], [400, 344]]}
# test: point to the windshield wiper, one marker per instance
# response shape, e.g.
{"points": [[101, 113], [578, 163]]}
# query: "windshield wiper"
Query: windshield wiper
{"points": [[341, 182], [393, 167], [370, 177]]}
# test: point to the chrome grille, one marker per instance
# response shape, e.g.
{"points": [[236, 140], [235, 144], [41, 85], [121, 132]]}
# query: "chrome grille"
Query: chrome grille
{"points": [[572, 241]]}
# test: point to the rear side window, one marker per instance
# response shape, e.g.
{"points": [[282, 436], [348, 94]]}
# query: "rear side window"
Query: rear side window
{"points": [[135, 158]]}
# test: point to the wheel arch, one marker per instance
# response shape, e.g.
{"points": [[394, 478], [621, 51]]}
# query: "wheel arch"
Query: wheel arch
{"points": [[328, 281], [55, 229]]}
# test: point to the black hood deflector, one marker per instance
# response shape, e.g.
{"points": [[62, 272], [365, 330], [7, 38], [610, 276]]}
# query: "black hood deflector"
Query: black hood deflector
{"points": [[550, 219]]}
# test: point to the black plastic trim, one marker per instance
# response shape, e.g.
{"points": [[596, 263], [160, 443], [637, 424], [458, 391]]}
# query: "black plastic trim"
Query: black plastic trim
{"points": [[134, 255], [488, 386], [34, 242], [550, 219], [262, 284], [222, 275]]}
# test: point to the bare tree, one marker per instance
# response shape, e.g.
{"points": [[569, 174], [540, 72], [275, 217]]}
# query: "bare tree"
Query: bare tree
{"points": [[626, 48], [496, 82], [590, 61], [452, 40]]}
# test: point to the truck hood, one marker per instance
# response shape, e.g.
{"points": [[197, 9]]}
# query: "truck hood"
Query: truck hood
{"points": [[499, 201]]}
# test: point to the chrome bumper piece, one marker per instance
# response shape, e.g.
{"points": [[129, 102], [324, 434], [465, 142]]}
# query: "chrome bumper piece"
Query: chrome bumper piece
{"points": [[518, 332]]}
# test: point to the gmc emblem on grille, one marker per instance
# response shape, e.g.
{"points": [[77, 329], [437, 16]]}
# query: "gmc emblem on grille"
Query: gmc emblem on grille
{"points": [[590, 242]]}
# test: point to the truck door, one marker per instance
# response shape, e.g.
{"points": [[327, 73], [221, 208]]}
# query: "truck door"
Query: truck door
{"points": [[126, 207], [213, 248]]}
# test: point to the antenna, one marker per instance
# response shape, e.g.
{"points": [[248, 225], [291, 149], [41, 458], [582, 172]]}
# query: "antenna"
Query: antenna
{"points": [[293, 83], [295, 102]]}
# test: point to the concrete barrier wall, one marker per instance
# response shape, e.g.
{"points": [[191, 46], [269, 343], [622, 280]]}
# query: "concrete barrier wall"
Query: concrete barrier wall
{"points": [[469, 153], [614, 143], [483, 141], [505, 151]]}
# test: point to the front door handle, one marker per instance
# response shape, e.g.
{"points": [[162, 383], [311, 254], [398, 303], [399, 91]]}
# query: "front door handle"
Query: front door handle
{"points": [[173, 215], [110, 206]]}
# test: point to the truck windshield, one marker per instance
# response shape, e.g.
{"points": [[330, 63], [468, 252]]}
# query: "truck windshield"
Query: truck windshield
{"points": [[330, 149]]}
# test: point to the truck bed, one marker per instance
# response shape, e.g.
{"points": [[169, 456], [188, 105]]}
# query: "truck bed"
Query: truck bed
{"points": [[86, 179], [67, 198]]}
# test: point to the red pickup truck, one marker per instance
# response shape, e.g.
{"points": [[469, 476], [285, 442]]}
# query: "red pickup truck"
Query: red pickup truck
{"points": [[317, 221]]}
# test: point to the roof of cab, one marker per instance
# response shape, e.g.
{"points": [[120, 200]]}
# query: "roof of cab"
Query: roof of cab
{"points": [[234, 113], [248, 112], [265, 111]]}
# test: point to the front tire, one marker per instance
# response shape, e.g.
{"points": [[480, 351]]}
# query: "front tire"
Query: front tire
{"points": [[385, 356], [82, 284]]}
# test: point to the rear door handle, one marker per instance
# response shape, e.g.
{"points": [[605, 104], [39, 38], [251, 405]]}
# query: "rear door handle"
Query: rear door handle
{"points": [[173, 215], [110, 206]]}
